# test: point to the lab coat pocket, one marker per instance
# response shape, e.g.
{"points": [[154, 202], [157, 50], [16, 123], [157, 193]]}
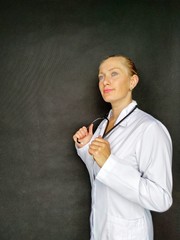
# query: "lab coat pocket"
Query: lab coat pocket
{"points": [[123, 229]]}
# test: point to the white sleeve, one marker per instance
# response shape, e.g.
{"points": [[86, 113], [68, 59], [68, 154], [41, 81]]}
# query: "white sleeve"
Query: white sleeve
{"points": [[82, 152], [151, 185]]}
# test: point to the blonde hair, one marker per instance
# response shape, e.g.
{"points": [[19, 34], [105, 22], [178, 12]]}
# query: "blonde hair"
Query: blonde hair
{"points": [[127, 62]]}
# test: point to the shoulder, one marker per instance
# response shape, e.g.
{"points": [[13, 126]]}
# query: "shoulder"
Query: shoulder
{"points": [[147, 119], [144, 116], [150, 124]]}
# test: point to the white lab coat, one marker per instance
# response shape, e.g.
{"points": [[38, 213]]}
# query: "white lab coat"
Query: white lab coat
{"points": [[135, 179]]}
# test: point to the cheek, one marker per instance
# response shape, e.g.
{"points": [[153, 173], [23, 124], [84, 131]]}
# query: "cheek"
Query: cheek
{"points": [[100, 86], [124, 84]]}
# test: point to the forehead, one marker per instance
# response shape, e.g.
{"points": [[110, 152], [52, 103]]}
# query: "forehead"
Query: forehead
{"points": [[111, 63]]}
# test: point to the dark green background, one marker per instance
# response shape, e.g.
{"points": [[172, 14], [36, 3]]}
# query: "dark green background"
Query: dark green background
{"points": [[49, 56]]}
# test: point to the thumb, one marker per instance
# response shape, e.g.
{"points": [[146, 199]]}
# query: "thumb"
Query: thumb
{"points": [[91, 129]]}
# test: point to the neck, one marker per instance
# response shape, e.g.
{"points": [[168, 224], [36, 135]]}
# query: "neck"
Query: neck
{"points": [[117, 108]]}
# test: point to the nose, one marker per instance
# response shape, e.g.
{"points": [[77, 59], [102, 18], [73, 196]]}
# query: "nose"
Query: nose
{"points": [[106, 80]]}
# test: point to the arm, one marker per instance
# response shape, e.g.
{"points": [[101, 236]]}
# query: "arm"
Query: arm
{"points": [[151, 185]]}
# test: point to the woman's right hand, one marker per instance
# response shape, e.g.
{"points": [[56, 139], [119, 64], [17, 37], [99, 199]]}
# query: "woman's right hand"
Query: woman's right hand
{"points": [[83, 136]]}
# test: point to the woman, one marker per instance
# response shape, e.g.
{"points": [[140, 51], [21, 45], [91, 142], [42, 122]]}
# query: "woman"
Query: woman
{"points": [[128, 158]]}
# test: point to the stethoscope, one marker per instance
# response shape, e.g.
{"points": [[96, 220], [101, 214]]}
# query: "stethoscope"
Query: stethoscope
{"points": [[115, 126]]}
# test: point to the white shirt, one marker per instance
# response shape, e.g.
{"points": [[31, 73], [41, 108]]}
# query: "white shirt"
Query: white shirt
{"points": [[135, 179]]}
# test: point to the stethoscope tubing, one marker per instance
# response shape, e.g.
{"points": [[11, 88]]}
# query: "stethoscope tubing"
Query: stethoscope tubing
{"points": [[106, 118]]}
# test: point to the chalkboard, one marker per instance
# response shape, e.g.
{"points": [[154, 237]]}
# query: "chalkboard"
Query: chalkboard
{"points": [[50, 51]]}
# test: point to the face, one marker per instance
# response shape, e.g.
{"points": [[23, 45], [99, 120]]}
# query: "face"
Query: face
{"points": [[115, 82]]}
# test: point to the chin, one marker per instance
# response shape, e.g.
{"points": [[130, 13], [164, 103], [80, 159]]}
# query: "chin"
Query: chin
{"points": [[106, 99]]}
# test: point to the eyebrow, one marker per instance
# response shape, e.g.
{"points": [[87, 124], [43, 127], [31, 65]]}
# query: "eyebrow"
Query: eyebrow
{"points": [[111, 69]]}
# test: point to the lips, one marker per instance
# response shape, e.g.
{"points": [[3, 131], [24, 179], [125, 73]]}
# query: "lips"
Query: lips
{"points": [[107, 90]]}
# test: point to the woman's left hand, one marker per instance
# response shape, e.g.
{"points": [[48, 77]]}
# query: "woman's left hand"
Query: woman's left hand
{"points": [[100, 150]]}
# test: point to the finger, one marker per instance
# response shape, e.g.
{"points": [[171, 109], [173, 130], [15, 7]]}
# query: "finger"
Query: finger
{"points": [[95, 145], [91, 129], [82, 132], [99, 143], [74, 138], [92, 151], [78, 135], [78, 141], [100, 139]]}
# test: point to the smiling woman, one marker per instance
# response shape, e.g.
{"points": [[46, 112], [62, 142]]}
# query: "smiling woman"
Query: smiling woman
{"points": [[128, 159]]}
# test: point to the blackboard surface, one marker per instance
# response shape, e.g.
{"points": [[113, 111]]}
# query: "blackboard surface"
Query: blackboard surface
{"points": [[49, 56]]}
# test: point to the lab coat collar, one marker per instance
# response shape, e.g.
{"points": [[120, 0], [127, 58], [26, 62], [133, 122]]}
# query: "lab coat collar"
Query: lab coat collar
{"points": [[124, 112]]}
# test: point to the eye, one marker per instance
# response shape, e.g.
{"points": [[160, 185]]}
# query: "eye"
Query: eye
{"points": [[101, 77], [113, 74]]}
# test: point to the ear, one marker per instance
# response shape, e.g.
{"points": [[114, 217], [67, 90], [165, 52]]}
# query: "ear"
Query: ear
{"points": [[134, 81]]}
